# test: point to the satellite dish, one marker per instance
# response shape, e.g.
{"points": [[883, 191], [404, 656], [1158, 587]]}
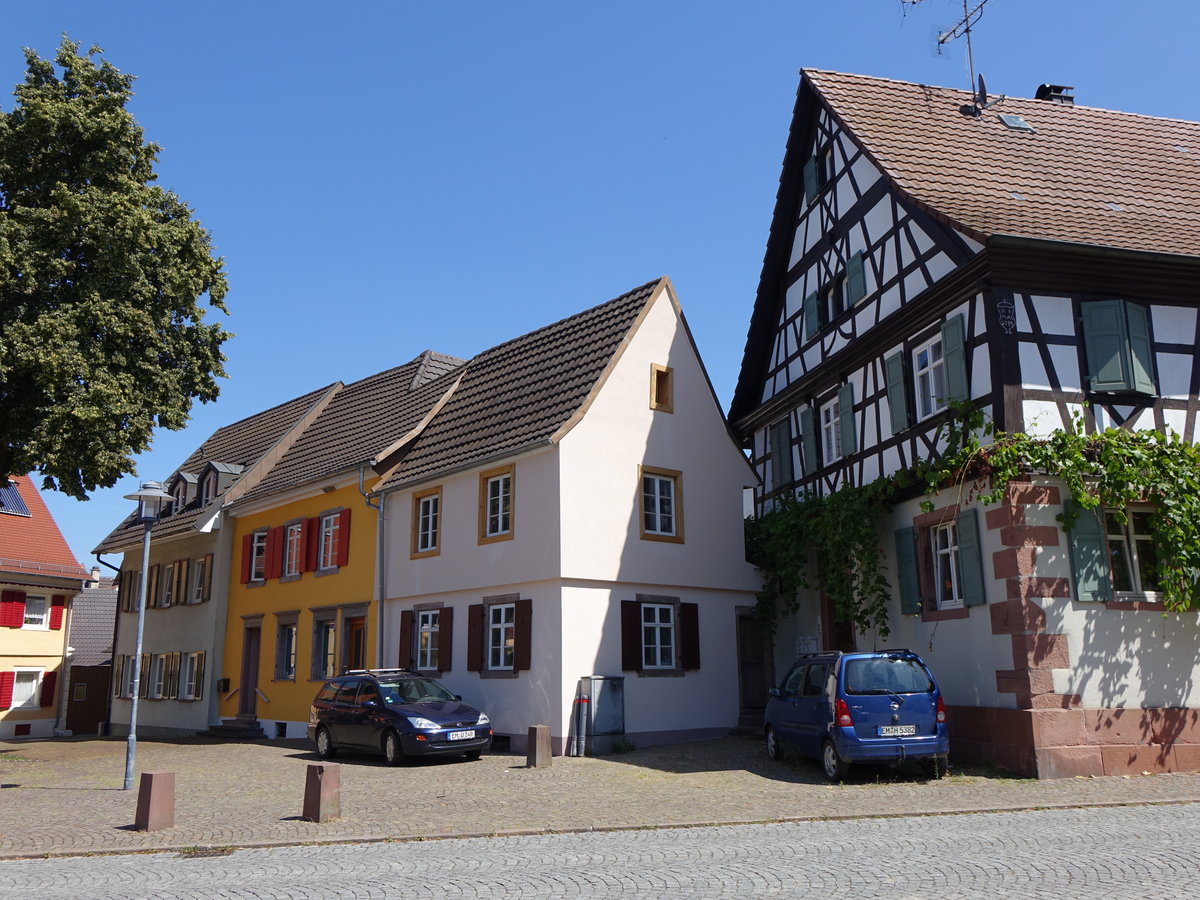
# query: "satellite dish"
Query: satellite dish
{"points": [[981, 97]]}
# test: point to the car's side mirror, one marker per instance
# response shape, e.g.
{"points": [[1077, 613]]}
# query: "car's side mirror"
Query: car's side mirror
{"points": [[458, 696], [774, 692]]}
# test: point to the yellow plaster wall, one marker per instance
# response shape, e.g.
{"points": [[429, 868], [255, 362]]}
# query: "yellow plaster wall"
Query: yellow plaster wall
{"points": [[353, 584]]}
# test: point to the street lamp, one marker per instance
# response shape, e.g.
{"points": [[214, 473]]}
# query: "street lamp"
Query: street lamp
{"points": [[150, 500]]}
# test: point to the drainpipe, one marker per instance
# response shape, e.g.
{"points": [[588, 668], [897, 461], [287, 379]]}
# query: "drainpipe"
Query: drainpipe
{"points": [[112, 661], [379, 559]]}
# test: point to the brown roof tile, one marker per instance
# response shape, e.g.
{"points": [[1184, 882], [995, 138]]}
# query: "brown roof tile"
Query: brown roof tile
{"points": [[521, 392], [32, 544], [1077, 160]]}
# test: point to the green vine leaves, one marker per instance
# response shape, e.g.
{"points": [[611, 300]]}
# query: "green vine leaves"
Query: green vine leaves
{"points": [[833, 541]]}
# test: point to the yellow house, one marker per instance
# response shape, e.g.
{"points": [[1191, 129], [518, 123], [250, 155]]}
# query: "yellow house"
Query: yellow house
{"points": [[38, 579], [303, 598]]}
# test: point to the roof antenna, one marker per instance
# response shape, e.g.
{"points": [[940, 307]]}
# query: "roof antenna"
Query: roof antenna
{"points": [[979, 100]]}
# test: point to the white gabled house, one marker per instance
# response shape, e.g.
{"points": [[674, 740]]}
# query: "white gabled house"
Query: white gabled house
{"points": [[574, 509], [1038, 259]]}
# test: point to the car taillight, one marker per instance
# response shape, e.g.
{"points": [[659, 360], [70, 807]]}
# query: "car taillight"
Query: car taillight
{"points": [[941, 711], [841, 714]]}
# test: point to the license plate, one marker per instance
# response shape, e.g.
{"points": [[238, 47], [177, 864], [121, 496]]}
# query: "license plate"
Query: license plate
{"points": [[895, 730], [467, 735]]}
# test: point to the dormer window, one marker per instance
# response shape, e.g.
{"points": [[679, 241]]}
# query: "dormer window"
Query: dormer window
{"points": [[179, 496], [208, 487]]}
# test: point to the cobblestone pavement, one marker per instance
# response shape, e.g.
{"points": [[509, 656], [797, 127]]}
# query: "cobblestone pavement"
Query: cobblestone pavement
{"points": [[1132, 851], [63, 797]]}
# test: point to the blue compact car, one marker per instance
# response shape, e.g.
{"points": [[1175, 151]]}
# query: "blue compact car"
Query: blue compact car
{"points": [[862, 707], [397, 713]]}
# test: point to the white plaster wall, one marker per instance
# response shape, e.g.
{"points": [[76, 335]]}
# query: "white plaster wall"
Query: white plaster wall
{"points": [[464, 563], [185, 629], [600, 487]]}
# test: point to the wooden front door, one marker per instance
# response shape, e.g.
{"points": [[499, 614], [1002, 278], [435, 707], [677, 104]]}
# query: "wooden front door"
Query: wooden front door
{"points": [[248, 694], [356, 643], [754, 669]]}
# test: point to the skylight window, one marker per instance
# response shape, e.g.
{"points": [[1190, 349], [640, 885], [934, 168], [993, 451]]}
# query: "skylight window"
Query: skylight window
{"points": [[1017, 196], [1115, 207], [1015, 122]]}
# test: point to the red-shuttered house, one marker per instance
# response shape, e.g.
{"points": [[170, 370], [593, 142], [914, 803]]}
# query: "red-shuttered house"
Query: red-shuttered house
{"points": [[38, 579]]}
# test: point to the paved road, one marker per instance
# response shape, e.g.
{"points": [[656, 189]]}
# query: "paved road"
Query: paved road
{"points": [[1134, 851]]}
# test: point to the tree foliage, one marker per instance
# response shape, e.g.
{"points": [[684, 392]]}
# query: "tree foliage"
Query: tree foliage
{"points": [[102, 336]]}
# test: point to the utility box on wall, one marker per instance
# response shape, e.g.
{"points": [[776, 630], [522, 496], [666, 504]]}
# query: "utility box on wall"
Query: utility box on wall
{"points": [[599, 714]]}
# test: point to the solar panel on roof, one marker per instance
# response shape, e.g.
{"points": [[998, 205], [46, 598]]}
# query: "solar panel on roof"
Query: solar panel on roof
{"points": [[11, 501]]}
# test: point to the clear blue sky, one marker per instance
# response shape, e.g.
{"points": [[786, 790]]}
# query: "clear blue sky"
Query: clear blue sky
{"points": [[386, 177]]}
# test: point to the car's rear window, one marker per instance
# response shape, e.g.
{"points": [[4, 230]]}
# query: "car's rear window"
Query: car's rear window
{"points": [[887, 675]]}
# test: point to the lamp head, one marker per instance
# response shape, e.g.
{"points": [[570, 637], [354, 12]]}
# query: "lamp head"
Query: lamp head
{"points": [[151, 500]]}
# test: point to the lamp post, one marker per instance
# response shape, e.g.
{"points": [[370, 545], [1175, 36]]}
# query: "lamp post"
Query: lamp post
{"points": [[151, 499]]}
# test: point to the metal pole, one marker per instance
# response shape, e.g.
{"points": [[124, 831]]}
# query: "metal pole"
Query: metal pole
{"points": [[131, 741]]}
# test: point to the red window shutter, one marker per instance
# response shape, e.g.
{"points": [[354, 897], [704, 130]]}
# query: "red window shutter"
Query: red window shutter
{"points": [[631, 636], [12, 609], [475, 637], [58, 606], [343, 547], [247, 556], [406, 639], [689, 636], [522, 635], [274, 559], [49, 682], [445, 636], [7, 680], [312, 544]]}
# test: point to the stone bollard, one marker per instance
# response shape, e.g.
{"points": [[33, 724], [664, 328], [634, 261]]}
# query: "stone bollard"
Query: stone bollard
{"points": [[537, 749], [156, 801], [323, 792]]}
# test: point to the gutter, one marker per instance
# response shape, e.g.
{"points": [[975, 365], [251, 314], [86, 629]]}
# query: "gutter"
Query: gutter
{"points": [[380, 558], [112, 661]]}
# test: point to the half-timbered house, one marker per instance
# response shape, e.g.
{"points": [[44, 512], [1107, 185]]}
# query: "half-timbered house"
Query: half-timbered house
{"points": [[1038, 259]]}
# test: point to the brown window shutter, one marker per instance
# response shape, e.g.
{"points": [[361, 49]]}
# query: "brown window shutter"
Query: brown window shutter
{"points": [[343, 547], [12, 609], [144, 677], [208, 566], [445, 638], [247, 556], [475, 637], [312, 543], [118, 675], [7, 681], [58, 608], [689, 635], [631, 636], [152, 587], [183, 569], [522, 635], [199, 694], [406, 639]]}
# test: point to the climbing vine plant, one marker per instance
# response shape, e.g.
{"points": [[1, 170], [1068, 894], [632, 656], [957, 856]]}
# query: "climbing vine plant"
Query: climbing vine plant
{"points": [[834, 538]]}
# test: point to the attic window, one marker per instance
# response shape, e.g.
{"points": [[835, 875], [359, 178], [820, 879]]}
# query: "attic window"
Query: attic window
{"points": [[1015, 122], [662, 387], [11, 502]]}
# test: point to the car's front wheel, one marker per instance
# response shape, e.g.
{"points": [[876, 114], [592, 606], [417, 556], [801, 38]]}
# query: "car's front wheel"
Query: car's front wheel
{"points": [[835, 767], [393, 753], [325, 747], [774, 751]]}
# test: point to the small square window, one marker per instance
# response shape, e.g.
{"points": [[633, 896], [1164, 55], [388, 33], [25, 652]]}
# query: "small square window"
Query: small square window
{"points": [[37, 613]]}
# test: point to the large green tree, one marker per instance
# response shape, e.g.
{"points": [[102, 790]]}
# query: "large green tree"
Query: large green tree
{"points": [[102, 335]]}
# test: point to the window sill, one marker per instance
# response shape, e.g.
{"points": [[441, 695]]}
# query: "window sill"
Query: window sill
{"points": [[1134, 602], [944, 615], [660, 673], [498, 673]]}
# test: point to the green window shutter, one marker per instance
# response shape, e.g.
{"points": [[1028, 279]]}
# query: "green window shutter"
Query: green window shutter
{"points": [[856, 281], [812, 316], [846, 419], [811, 186], [1089, 564], [970, 558], [893, 368], [808, 440], [954, 356], [1106, 344], [906, 568], [780, 436], [1137, 321]]}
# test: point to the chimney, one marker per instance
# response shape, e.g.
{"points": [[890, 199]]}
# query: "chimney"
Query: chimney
{"points": [[1055, 93]]}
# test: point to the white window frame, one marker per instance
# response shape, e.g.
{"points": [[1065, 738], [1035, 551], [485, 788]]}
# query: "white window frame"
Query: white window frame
{"points": [[497, 517], [158, 677], [330, 531], [428, 524], [428, 631], [258, 557], [179, 496], [35, 697], [166, 588], [947, 573], [197, 576], [130, 687], [187, 676], [501, 636], [929, 378], [40, 623], [287, 637], [1127, 539], [293, 539], [831, 431], [661, 509], [325, 647], [658, 627]]}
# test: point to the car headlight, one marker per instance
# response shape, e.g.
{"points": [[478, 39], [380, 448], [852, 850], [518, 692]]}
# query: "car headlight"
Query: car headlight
{"points": [[483, 719], [423, 724]]}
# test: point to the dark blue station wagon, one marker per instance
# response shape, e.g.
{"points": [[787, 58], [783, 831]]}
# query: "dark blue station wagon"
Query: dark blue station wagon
{"points": [[861, 707], [397, 713]]}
